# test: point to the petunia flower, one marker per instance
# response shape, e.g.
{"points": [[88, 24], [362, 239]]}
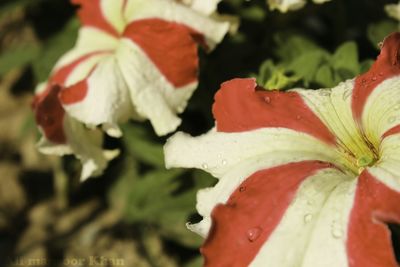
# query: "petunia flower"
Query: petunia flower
{"points": [[134, 59], [306, 177], [290, 5], [206, 7]]}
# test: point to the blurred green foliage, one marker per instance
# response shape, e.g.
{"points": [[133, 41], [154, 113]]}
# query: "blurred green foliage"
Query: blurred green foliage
{"points": [[318, 46]]}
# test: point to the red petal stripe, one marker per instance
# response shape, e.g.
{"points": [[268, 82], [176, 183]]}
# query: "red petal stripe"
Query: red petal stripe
{"points": [[369, 243], [91, 14], [74, 93], [240, 107], [170, 46], [242, 225], [49, 114], [386, 66]]}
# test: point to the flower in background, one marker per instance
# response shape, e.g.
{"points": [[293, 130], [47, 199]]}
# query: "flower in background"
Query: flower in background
{"points": [[393, 10], [134, 59], [306, 177], [290, 5], [206, 7]]}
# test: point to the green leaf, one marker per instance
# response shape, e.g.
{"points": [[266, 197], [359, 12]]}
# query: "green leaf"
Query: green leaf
{"points": [[324, 76], [140, 146], [289, 47], [273, 77], [196, 262], [376, 32], [306, 65], [17, 57], [156, 199], [366, 65], [346, 58]]}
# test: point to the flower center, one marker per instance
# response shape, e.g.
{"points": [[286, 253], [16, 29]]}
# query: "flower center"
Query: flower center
{"points": [[358, 159]]}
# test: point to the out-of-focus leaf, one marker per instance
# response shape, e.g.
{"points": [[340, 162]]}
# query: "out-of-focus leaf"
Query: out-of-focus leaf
{"points": [[54, 48], [346, 58], [196, 262], [255, 13], [155, 199], [291, 47], [306, 65], [366, 65], [17, 57], [378, 31], [274, 77], [324, 76], [139, 145]]}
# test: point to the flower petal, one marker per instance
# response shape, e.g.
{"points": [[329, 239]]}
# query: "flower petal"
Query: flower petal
{"points": [[153, 96], [211, 30], [102, 98], [84, 46], [239, 106], [290, 204], [286, 5], [334, 108], [104, 15], [220, 153], [205, 6], [369, 242], [375, 101], [63, 135], [155, 37]]}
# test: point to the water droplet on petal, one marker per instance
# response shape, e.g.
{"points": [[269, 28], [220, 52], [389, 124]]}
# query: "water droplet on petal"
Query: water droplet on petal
{"points": [[298, 117], [267, 99], [391, 119], [380, 73], [308, 218], [204, 165], [224, 162], [373, 78], [336, 230], [253, 233], [242, 189]]}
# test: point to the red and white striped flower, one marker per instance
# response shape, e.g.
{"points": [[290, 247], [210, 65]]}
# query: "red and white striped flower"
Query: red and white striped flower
{"points": [[134, 59], [306, 177]]}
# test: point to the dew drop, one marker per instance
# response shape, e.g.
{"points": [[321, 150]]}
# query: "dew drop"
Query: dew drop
{"points": [[224, 162], [242, 189], [336, 230], [267, 99], [253, 233], [373, 78], [337, 233], [308, 218], [380, 73], [363, 81], [204, 165]]}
